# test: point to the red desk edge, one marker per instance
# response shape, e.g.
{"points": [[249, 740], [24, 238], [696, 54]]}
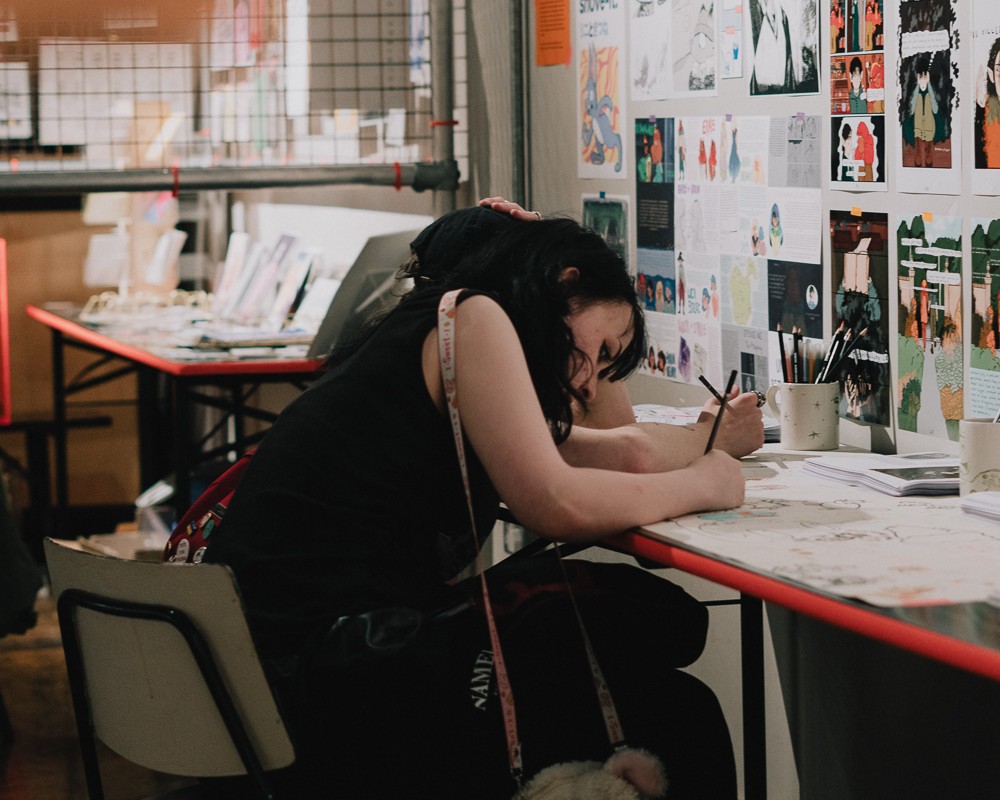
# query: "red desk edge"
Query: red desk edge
{"points": [[82, 333], [974, 658]]}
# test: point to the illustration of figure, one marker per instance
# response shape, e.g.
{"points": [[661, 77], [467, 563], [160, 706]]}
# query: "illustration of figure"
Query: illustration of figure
{"points": [[873, 18], [734, 159], [668, 298], [836, 26], [715, 297], [757, 246], [864, 152], [713, 161], [644, 164], [681, 150], [776, 60], [857, 101], [649, 302], [656, 154], [702, 160], [680, 284], [660, 299], [846, 150], [706, 300], [923, 317], [988, 111], [923, 109], [661, 362], [876, 87], [854, 40], [684, 359], [777, 236], [812, 296], [598, 129]]}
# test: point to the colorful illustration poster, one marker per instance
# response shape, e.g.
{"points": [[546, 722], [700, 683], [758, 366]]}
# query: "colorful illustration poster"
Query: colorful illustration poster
{"points": [[859, 254], [651, 75], [983, 116], [858, 153], [654, 201], [785, 52], [731, 39], [857, 96], [929, 352], [600, 43], [694, 38], [927, 112], [984, 321]]}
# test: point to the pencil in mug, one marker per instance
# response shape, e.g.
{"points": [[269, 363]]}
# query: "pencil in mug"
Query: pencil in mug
{"points": [[796, 357], [722, 408], [781, 351], [834, 345]]}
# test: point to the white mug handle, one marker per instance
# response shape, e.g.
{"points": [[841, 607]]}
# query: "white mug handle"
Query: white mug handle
{"points": [[772, 399]]}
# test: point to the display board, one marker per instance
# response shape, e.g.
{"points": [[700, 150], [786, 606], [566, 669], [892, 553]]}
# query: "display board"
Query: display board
{"points": [[818, 165]]}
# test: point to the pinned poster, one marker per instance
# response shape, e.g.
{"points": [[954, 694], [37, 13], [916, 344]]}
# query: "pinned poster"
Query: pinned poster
{"points": [[601, 90], [551, 33], [929, 158], [983, 115]]}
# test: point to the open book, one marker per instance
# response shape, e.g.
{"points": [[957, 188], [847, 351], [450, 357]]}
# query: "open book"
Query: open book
{"points": [[914, 473]]}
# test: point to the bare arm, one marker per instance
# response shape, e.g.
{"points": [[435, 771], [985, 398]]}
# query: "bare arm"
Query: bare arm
{"points": [[661, 447], [505, 426]]}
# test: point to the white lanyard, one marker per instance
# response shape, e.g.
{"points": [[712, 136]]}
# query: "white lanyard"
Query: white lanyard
{"points": [[446, 351]]}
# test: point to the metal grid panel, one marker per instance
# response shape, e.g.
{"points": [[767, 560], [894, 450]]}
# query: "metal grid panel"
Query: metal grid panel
{"points": [[240, 85]]}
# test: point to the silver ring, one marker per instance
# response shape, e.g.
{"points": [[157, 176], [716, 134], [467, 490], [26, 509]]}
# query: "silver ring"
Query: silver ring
{"points": [[761, 398], [538, 214]]}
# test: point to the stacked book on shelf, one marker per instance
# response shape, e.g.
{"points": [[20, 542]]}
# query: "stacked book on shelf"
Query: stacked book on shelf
{"points": [[899, 475], [982, 504]]}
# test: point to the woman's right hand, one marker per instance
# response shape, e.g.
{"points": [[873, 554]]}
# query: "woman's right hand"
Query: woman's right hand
{"points": [[721, 475], [509, 207]]}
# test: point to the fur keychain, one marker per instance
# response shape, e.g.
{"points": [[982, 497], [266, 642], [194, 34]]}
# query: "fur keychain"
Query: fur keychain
{"points": [[630, 774]]}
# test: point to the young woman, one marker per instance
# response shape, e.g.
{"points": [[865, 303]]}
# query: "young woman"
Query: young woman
{"points": [[350, 527]]}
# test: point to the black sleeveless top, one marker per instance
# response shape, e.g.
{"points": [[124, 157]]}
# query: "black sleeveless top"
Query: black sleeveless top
{"points": [[354, 499]]}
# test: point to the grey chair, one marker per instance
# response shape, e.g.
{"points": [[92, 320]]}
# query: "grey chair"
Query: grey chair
{"points": [[163, 670]]}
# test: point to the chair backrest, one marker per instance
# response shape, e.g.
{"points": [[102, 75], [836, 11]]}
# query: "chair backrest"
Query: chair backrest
{"points": [[147, 694]]}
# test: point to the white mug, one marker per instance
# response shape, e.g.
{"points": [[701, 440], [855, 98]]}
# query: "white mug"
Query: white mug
{"points": [[979, 455], [809, 414]]}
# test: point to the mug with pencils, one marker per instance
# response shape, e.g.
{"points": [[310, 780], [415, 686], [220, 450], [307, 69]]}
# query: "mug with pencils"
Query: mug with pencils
{"points": [[808, 413]]}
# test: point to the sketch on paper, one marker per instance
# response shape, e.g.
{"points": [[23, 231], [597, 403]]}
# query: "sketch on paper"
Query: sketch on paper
{"points": [[694, 51], [850, 541], [649, 50], [930, 392]]}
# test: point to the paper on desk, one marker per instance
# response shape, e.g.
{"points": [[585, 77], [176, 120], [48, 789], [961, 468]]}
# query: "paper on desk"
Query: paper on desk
{"points": [[851, 541]]}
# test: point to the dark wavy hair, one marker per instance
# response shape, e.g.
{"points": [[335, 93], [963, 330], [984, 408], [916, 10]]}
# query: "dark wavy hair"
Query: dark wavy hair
{"points": [[521, 269]]}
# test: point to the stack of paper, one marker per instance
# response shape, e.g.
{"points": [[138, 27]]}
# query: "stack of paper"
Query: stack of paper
{"points": [[982, 504], [915, 473]]}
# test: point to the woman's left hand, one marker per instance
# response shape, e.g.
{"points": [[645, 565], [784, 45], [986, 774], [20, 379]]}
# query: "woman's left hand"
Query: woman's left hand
{"points": [[509, 207]]}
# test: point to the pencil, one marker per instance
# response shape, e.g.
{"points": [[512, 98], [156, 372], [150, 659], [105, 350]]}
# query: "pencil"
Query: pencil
{"points": [[781, 350], [837, 336], [722, 408], [838, 347], [712, 389], [796, 358], [849, 346]]}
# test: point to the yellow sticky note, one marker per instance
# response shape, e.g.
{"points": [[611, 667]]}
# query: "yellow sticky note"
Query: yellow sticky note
{"points": [[855, 212], [927, 216]]}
